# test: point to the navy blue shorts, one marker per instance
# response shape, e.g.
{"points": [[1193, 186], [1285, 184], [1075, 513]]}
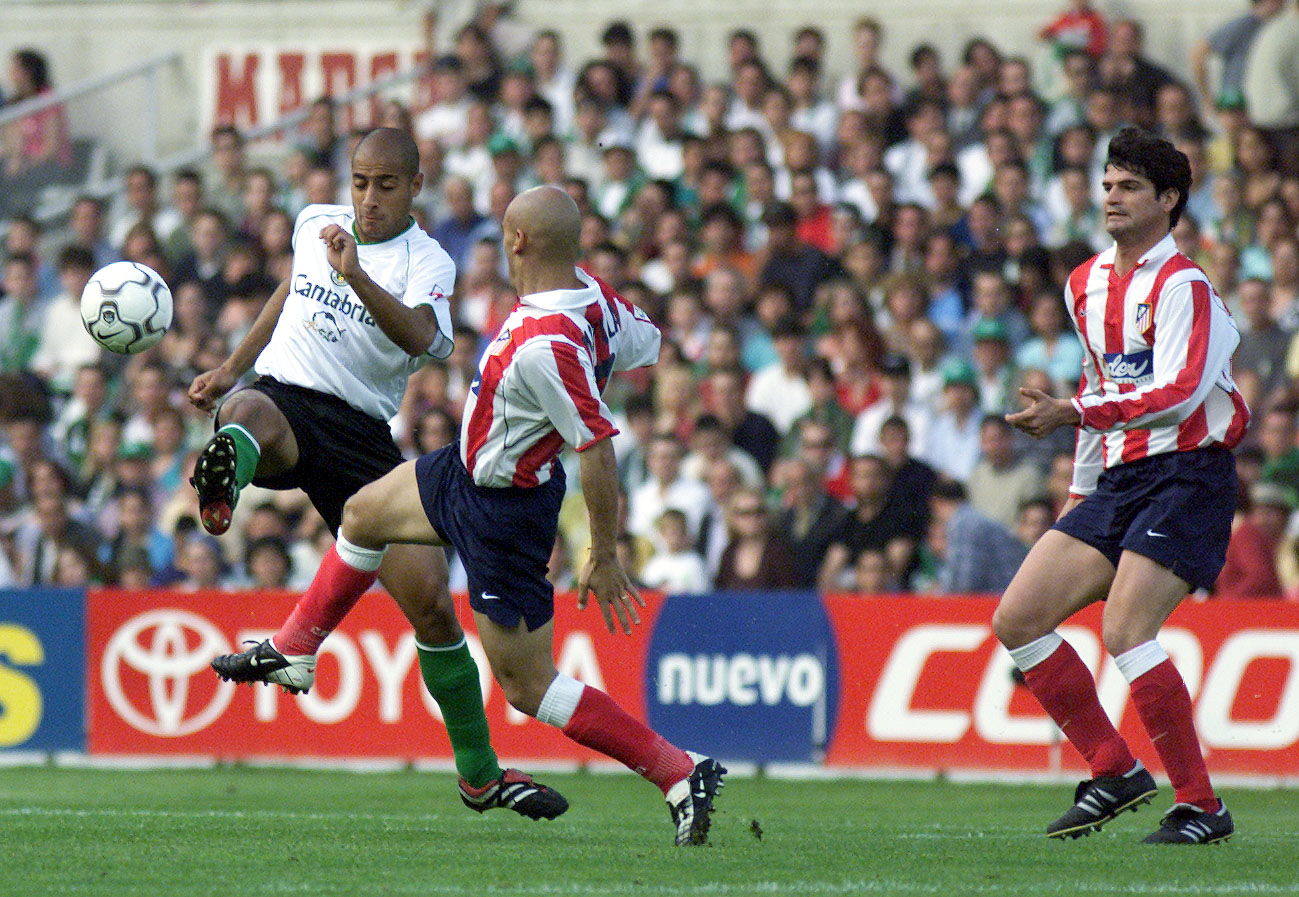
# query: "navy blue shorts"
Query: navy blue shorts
{"points": [[1175, 508], [504, 536]]}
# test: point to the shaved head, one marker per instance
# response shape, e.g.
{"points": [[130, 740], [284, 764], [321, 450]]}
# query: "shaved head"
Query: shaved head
{"points": [[391, 147], [551, 222]]}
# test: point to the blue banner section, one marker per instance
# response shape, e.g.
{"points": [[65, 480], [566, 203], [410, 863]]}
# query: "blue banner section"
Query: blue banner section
{"points": [[744, 676], [42, 670]]}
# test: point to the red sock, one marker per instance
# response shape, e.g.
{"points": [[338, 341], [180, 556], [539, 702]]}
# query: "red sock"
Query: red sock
{"points": [[1164, 706], [1064, 687], [600, 724], [335, 590]]}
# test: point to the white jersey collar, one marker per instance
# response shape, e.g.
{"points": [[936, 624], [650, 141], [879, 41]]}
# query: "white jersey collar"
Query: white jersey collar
{"points": [[565, 300]]}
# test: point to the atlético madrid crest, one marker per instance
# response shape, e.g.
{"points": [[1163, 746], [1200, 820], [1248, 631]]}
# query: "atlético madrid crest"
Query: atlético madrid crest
{"points": [[1143, 315]]}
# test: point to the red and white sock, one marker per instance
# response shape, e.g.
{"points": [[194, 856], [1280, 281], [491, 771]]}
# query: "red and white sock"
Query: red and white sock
{"points": [[1164, 705], [346, 572], [592, 719], [1063, 685]]}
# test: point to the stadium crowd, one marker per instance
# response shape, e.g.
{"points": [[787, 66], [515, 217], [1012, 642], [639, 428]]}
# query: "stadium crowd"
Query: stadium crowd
{"points": [[854, 272]]}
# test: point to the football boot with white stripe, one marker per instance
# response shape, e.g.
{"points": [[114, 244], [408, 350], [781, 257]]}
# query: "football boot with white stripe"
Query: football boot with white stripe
{"points": [[1097, 801], [515, 791], [295, 673], [691, 800], [1188, 824], [214, 481]]}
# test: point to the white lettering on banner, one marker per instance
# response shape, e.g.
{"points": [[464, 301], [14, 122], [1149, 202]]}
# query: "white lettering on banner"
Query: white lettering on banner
{"points": [[1213, 714], [891, 716], [319, 708], [741, 679], [577, 659], [389, 669]]}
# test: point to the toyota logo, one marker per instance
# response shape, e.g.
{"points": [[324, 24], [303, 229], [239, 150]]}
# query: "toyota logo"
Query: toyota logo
{"points": [[160, 652]]}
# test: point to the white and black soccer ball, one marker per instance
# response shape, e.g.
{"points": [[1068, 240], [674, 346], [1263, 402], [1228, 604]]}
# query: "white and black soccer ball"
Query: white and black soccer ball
{"points": [[126, 307]]}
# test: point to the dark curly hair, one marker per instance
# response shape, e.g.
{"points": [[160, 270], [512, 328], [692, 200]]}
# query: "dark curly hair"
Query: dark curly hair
{"points": [[1152, 157]]}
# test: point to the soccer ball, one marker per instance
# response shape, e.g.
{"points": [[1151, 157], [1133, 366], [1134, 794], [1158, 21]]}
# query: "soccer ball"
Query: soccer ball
{"points": [[126, 307]]}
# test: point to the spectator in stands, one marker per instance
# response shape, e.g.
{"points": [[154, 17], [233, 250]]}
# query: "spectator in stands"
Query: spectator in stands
{"points": [[24, 237], [137, 531], [748, 430], [755, 557], [1251, 567], [225, 179], [667, 487], [789, 261], [809, 517], [676, 568], [709, 443], [994, 367], [953, 445], [1271, 87], [1035, 517], [34, 149], [1260, 360], [1053, 348], [780, 391], [87, 229], [22, 314], [49, 529], [268, 563], [875, 524], [209, 236], [912, 479], [895, 401], [140, 205], [1002, 480], [186, 203], [201, 564], [64, 345], [1080, 27], [978, 555]]}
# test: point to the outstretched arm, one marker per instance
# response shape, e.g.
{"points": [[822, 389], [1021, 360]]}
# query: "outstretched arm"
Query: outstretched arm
{"points": [[603, 575], [212, 385]]}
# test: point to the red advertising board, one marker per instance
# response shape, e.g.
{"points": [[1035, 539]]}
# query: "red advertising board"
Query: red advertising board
{"points": [[912, 682], [924, 684], [151, 692]]}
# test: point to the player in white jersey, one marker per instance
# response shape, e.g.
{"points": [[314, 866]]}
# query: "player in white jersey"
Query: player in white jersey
{"points": [[365, 305], [1152, 501], [496, 495]]}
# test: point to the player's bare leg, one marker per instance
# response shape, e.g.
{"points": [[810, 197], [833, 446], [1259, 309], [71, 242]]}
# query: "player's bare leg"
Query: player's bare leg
{"points": [[523, 665], [1060, 576], [253, 439], [1142, 597]]}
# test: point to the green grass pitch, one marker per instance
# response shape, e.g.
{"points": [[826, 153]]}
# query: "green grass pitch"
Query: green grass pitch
{"points": [[272, 831]]}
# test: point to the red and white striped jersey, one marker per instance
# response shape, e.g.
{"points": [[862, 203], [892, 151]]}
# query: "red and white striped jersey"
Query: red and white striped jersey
{"points": [[1157, 367], [539, 382]]}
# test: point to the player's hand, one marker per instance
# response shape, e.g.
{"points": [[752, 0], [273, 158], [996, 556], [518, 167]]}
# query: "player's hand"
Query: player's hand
{"points": [[1043, 414], [210, 386], [605, 578], [340, 250]]}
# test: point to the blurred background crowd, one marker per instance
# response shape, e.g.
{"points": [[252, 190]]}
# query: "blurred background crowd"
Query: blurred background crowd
{"points": [[854, 268]]}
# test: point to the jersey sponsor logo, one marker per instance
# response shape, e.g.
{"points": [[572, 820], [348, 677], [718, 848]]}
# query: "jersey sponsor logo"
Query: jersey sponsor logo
{"points": [[325, 326], [436, 292], [1133, 367], [345, 306], [337, 277]]}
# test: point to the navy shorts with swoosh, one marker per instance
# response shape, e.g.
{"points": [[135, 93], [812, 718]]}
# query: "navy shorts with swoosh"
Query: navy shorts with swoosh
{"points": [[504, 536], [1175, 508]]}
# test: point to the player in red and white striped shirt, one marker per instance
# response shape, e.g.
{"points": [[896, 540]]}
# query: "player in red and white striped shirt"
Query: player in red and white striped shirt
{"points": [[495, 496], [1154, 492]]}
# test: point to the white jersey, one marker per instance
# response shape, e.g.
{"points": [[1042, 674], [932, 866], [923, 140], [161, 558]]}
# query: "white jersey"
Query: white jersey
{"points": [[1157, 369], [325, 338], [539, 382]]}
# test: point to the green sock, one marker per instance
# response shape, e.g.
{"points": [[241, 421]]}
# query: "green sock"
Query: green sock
{"points": [[452, 679], [247, 453]]}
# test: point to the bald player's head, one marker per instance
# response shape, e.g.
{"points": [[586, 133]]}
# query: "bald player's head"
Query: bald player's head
{"points": [[550, 223], [392, 146]]}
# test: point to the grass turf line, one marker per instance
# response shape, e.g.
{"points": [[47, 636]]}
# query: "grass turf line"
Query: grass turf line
{"points": [[264, 831]]}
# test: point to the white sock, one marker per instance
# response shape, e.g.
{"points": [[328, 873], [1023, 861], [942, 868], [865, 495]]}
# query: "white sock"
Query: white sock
{"points": [[1028, 656], [353, 555], [1141, 660], [560, 701]]}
